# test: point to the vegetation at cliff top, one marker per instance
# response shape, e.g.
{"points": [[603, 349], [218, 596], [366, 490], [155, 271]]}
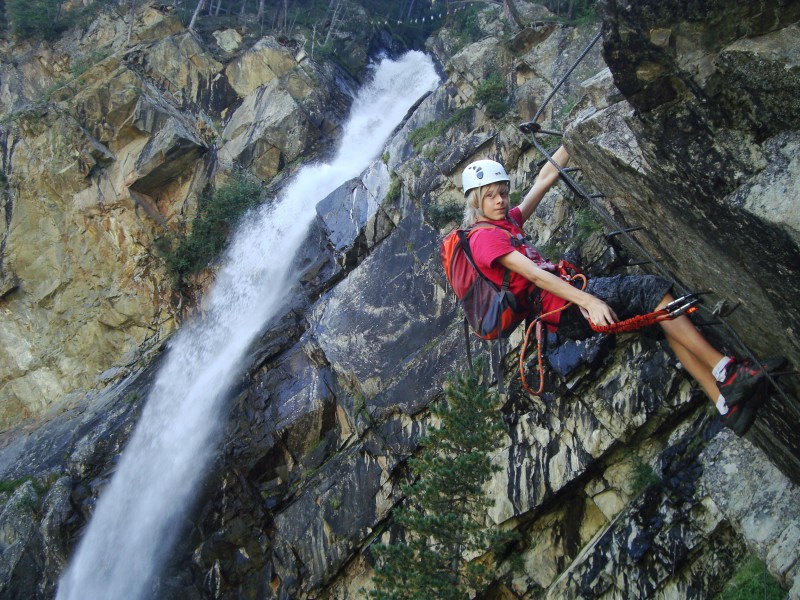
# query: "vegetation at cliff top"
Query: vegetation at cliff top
{"points": [[46, 19], [410, 22], [443, 518], [217, 213]]}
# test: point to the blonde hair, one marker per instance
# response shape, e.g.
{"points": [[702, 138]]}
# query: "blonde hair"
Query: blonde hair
{"points": [[472, 202]]}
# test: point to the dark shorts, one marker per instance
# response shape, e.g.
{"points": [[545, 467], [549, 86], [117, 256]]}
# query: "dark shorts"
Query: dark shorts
{"points": [[627, 295]]}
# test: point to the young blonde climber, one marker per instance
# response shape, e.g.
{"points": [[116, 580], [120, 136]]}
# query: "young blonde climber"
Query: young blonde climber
{"points": [[730, 383]]}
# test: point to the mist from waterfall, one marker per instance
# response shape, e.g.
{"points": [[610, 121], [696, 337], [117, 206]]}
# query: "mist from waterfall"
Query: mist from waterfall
{"points": [[140, 512]]}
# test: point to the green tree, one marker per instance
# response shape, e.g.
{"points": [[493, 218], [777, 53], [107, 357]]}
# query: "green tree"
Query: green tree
{"points": [[217, 213], [444, 513], [492, 93], [34, 18]]}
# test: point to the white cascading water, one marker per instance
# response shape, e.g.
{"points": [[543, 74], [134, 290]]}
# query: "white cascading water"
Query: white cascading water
{"points": [[137, 517]]}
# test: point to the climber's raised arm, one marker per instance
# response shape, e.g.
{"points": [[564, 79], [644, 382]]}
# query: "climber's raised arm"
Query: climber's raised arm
{"points": [[544, 181]]}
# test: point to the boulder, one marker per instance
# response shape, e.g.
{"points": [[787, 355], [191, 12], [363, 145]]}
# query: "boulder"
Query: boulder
{"points": [[262, 63], [267, 132]]}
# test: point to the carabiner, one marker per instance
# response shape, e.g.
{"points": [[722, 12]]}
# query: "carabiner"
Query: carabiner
{"points": [[681, 305]]}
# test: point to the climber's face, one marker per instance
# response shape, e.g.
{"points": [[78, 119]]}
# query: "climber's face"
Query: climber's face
{"points": [[494, 201]]}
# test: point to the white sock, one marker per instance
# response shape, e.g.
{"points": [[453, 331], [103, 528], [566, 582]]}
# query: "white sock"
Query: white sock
{"points": [[719, 371], [721, 406]]}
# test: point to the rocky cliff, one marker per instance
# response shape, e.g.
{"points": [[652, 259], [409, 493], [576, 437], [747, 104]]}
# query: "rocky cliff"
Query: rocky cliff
{"points": [[620, 482]]}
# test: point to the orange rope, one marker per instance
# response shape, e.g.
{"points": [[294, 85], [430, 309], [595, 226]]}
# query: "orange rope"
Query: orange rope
{"points": [[537, 324], [634, 323]]}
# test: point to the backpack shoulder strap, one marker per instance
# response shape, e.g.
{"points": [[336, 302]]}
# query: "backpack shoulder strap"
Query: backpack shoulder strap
{"points": [[464, 234]]}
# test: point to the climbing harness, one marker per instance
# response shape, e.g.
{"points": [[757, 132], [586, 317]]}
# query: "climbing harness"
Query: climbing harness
{"points": [[686, 304], [533, 128]]}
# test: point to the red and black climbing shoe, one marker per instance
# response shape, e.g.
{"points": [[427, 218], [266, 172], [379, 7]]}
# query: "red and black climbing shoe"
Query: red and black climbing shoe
{"points": [[740, 417], [743, 376]]}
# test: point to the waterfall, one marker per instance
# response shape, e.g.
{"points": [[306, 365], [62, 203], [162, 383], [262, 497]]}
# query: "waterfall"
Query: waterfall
{"points": [[138, 515]]}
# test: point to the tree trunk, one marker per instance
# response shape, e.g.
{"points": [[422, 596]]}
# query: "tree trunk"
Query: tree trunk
{"points": [[513, 13], [197, 11], [130, 24], [333, 22], [410, 8]]}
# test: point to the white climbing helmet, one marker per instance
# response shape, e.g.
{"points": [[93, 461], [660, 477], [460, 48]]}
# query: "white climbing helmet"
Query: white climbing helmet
{"points": [[482, 172]]}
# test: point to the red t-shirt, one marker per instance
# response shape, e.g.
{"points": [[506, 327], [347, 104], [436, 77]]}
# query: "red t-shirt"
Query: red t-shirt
{"points": [[488, 244]]}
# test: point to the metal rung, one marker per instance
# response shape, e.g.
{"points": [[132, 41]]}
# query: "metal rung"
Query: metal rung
{"points": [[597, 195], [707, 323], [626, 230], [722, 311], [570, 169], [636, 263]]}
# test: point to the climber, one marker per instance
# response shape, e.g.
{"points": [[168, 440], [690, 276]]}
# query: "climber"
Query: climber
{"points": [[730, 383]]}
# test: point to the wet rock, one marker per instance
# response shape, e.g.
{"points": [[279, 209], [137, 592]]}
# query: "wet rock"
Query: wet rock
{"points": [[353, 217]]}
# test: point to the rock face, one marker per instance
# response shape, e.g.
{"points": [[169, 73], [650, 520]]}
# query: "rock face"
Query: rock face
{"points": [[701, 172], [119, 141], [619, 480]]}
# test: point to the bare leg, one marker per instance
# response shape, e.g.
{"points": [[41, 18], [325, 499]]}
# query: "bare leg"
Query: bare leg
{"points": [[693, 350]]}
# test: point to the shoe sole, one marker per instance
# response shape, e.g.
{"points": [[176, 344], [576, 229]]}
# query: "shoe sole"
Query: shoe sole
{"points": [[748, 412], [767, 366]]}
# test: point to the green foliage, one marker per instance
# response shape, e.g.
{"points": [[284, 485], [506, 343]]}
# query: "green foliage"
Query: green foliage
{"points": [[577, 12], [10, 485], [395, 188], [643, 476], [40, 487], [586, 224], [34, 18], [439, 215], [217, 213], [328, 53], [466, 26], [553, 250], [443, 515], [566, 108], [431, 152], [752, 582], [46, 19], [493, 95], [360, 406], [80, 65], [430, 131], [315, 18]]}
